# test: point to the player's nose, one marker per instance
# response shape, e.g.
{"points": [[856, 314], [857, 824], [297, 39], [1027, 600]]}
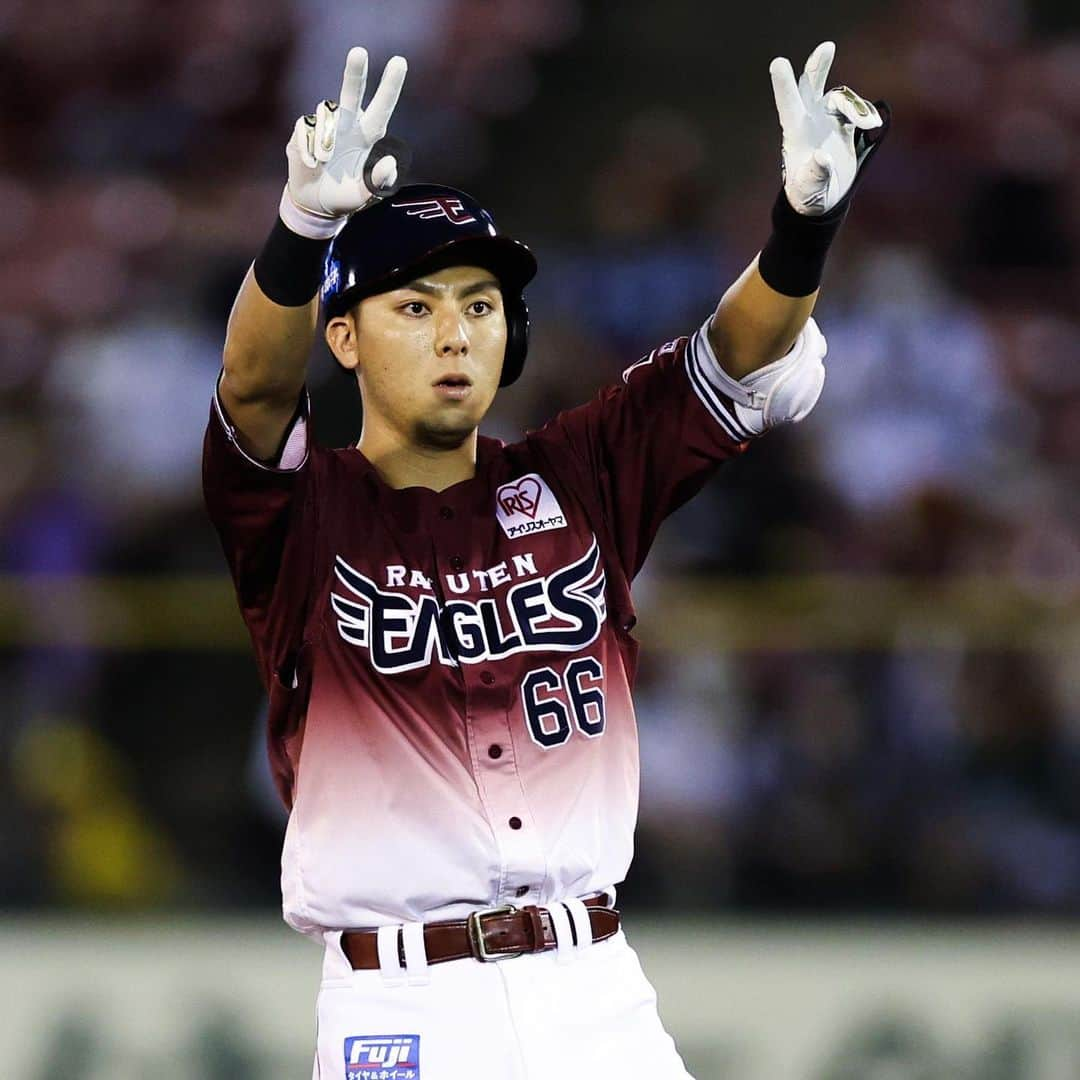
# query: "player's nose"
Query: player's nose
{"points": [[451, 336]]}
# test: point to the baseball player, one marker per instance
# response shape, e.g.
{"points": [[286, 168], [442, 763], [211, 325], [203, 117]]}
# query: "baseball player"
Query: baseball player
{"points": [[443, 621]]}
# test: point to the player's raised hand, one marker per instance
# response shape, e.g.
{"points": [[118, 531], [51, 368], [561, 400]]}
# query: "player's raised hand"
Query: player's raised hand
{"points": [[827, 136], [329, 148]]}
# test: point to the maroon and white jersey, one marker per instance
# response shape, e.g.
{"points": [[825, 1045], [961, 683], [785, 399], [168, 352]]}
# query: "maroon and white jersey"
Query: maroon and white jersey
{"points": [[449, 672]]}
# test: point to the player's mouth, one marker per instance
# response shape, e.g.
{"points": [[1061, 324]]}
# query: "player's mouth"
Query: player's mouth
{"points": [[454, 386]]}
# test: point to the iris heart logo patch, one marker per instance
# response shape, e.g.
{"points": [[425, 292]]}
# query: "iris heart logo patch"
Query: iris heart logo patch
{"points": [[527, 505], [520, 498]]}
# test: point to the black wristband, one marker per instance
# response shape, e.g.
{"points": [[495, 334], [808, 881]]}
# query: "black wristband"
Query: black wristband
{"points": [[793, 259], [289, 268]]}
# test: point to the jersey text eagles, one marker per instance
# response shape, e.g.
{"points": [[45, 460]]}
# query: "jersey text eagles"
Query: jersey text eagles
{"points": [[560, 612]]}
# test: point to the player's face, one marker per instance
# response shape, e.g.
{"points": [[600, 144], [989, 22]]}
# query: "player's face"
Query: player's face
{"points": [[429, 355]]}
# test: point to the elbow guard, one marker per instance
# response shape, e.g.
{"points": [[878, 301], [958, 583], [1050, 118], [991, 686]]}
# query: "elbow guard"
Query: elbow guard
{"points": [[784, 391]]}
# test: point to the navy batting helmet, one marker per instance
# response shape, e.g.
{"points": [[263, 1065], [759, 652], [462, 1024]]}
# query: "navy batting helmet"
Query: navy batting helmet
{"points": [[419, 229]]}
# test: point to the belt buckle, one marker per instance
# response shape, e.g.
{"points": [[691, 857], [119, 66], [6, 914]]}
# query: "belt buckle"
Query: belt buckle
{"points": [[475, 930]]}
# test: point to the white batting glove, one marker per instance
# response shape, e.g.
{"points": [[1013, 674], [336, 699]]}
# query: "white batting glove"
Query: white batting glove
{"points": [[329, 149], [822, 144]]}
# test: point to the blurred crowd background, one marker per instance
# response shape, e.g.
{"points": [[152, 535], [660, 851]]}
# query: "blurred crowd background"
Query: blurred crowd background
{"points": [[928, 762]]}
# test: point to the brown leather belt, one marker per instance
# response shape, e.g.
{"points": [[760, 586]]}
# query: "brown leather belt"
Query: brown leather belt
{"points": [[491, 934]]}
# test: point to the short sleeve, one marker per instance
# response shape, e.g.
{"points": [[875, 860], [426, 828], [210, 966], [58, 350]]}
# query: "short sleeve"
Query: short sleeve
{"points": [[649, 443], [264, 514]]}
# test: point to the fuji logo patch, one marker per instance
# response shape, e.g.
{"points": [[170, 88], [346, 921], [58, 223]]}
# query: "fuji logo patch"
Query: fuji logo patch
{"points": [[527, 505], [382, 1057]]}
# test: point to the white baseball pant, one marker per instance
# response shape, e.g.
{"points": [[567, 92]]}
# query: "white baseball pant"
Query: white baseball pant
{"points": [[575, 1011]]}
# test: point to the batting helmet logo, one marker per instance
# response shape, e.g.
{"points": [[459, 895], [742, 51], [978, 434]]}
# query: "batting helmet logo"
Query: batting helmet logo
{"points": [[426, 209]]}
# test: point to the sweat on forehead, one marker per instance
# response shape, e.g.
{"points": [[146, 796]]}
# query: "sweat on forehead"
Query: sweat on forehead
{"points": [[434, 280], [471, 280]]}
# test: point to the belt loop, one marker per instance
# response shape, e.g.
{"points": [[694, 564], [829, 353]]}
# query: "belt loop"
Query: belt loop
{"points": [[335, 963], [416, 964], [579, 915], [389, 961], [564, 939]]}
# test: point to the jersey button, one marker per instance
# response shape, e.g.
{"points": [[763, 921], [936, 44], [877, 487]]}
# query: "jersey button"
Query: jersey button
{"points": [[456, 562], [487, 678], [514, 822], [521, 890], [629, 624], [446, 512], [494, 750]]}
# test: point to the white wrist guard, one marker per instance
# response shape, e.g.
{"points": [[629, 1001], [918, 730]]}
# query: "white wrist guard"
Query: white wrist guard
{"points": [[782, 392], [307, 223]]}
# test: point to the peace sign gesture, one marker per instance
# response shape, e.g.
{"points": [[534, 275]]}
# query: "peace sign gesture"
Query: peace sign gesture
{"points": [[825, 138], [329, 149]]}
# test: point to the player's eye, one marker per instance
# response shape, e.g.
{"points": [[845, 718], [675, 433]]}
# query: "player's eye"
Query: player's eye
{"points": [[481, 307], [414, 307]]}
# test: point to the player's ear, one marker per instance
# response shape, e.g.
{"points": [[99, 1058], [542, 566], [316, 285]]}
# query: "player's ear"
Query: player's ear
{"points": [[342, 338]]}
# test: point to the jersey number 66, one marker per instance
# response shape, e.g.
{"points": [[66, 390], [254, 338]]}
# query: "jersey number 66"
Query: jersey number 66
{"points": [[551, 699]]}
